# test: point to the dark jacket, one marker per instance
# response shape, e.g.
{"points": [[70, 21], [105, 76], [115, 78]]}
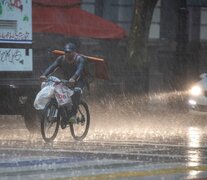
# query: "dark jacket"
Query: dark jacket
{"points": [[74, 70]]}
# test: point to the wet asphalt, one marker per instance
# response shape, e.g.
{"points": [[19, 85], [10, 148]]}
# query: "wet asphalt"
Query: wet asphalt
{"points": [[143, 145]]}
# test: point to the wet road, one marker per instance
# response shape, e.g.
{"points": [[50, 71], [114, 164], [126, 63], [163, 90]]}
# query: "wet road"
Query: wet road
{"points": [[158, 146], [101, 160]]}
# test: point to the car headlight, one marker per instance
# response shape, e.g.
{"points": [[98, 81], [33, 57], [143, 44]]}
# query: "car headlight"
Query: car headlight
{"points": [[195, 91], [192, 102]]}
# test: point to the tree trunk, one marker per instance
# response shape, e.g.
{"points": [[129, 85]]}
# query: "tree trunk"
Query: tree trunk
{"points": [[137, 66], [180, 68]]}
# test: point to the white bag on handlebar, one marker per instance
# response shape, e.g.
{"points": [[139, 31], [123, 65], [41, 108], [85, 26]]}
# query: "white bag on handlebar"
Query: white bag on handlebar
{"points": [[63, 95], [43, 97]]}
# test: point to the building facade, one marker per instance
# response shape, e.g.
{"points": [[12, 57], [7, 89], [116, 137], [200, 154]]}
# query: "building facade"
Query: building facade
{"points": [[177, 46]]}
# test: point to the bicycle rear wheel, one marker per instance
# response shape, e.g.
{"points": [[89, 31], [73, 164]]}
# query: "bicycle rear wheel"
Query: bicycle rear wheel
{"points": [[80, 129], [50, 121]]}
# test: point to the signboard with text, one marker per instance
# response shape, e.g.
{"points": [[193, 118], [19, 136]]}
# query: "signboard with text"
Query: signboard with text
{"points": [[16, 28], [16, 21], [15, 59]]}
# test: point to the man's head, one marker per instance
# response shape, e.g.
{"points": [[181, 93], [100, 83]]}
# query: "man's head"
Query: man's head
{"points": [[70, 50]]}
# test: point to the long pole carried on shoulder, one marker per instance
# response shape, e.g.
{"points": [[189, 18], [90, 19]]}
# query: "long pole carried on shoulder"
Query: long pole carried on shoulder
{"points": [[59, 52]]}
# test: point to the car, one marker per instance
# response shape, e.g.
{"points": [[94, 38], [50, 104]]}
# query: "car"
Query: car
{"points": [[197, 98]]}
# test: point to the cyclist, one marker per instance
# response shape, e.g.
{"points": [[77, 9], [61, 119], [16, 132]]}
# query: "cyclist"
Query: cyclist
{"points": [[72, 65]]}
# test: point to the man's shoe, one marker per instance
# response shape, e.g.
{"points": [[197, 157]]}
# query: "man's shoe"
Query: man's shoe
{"points": [[73, 119], [63, 124]]}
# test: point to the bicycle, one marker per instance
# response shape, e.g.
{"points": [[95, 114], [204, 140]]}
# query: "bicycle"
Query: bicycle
{"points": [[51, 116]]}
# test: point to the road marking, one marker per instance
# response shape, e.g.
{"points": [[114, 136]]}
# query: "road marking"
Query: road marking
{"points": [[114, 176]]}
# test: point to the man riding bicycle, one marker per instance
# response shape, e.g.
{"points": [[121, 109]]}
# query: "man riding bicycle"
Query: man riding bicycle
{"points": [[72, 65]]}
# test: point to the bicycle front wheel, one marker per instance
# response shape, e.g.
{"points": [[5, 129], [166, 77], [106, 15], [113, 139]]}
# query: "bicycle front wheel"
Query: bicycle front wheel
{"points": [[50, 121], [80, 129]]}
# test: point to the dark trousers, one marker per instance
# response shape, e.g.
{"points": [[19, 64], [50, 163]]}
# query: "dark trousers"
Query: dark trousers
{"points": [[65, 111], [76, 96]]}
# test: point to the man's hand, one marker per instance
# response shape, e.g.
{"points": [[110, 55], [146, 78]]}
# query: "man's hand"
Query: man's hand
{"points": [[43, 78], [71, 82]]}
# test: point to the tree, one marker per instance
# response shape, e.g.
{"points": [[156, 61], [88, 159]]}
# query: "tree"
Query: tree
{"points": [[182, 55], [137, 66]]}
